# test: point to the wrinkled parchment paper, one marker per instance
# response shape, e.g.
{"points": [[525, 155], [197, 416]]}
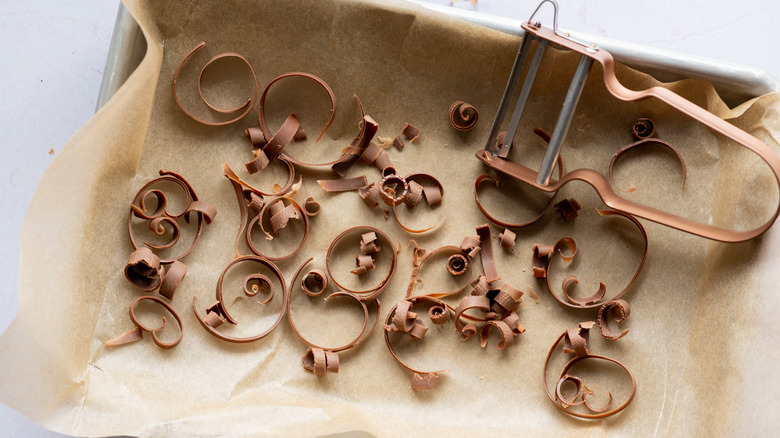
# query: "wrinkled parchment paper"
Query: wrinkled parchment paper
{"points": [[703, 313]]}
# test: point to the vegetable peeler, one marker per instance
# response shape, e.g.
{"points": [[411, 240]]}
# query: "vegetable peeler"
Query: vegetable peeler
{"points": [[496, 150]]}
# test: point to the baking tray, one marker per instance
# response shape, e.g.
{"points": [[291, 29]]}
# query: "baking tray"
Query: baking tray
{"points": [[734, 83]]}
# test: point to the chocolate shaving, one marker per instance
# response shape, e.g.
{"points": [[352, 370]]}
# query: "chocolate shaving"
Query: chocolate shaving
{"points": [[644, 141], [300, 135], [398, 143], [383, 163], [469, 303], [342, 185], [372, 292], [393, 190], [542, 261], [256, 137], [480, 286], [172, 279], [314, 282], [463, 116], [204, 211], [412, 133], [371, 194], [367, 132], [457, 264], [370, 155], [507, 335], [643, 128], [217, 313], [246, 107], [363, 264], [368, 243], [507, 239], [280, 214], [576, 341], [619, 311], [486, 253], [137, 333], [311, 207], [320, 362], [470, 246], [431, 189], [415, 194], [425, 381], [568, 208], [264, 124], [143, 270]]}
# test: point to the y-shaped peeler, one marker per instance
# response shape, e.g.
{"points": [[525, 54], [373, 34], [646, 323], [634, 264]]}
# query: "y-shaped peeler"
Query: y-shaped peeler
{"points": [[497, 148]]}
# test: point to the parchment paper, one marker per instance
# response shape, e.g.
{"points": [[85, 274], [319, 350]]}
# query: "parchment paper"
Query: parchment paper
{"points": [[703, 313]]}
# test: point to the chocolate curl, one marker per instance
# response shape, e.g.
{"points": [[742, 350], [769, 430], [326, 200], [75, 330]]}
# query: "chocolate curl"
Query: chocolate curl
{"points": [[342, 185], [215, 316], [314, 282], [133, 335], [457, 264], [463, 116], [507, 335], [509, 297], [488, 262], [432, 194], [595, 298], [259, 161], [254, 201], [438, 314], [382, 162], [371, 194], [398, 143], [542, 253], [643, 128], [137, 333], [368, 243], [143, 269], [370, 154], [281, 215], [404, 320], [370, 126], [619, 311], [255, 135], [390, 186], [576, 340], [468, 303], [513, 321], [300, 135], [481, 286], [415, 194], [363, 264], [507, 240], [470, 246], [320, 362], [311, 207], [412, 133], [425, 381], [568, 208], [172, 279]]}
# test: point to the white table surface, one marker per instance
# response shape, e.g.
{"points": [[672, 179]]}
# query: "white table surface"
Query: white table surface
{"points": [[55, 53]]}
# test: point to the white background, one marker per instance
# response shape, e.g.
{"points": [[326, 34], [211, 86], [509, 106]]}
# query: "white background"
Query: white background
{"points": [[55, 52]]}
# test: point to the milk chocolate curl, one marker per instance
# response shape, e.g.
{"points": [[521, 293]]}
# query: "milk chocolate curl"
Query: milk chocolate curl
{"points": [[320, 362], [172, 279], [433, 194], [595, 298], [507, 239], [457, 264], [133, 334], [371, 154], [643, 128], [255, 135], [509, 297], [143, 269], [470, 246], [507, 335], [383, 163], [368, 243], [282, 138], [404, 320], [568, 208], [215, 317], [463, 116], [542, 253], [398, 143], [468, 303], [311, 207], [363, 264], [481, 286], [281, 215], [425, 381], [412, 133], [619, 311], [342, 185], [246, 107], [439, 314], [371, 194], [370, 126], [314, 282], [415, 194], [486, 253], [576, 340], [254, 201], [393, 190]]}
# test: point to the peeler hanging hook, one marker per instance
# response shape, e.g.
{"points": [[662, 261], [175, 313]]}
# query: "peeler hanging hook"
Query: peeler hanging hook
{"points": [[555, 14]]}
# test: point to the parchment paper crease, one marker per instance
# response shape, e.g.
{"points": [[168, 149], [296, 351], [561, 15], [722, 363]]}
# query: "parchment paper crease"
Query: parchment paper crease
{"points": [[703, 313]]}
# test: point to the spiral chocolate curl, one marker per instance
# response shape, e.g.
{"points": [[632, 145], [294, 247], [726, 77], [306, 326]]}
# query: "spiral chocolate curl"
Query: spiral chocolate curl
{"points": [[463, 116]]}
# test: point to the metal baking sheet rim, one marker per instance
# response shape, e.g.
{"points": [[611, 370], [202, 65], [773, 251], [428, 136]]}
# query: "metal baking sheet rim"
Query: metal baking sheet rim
{"points": [[734, 83]]}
